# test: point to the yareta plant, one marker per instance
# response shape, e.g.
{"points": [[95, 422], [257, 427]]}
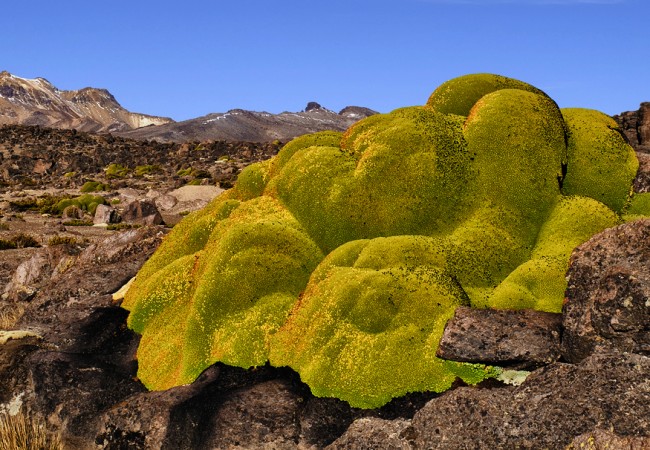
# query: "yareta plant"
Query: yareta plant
{"points": [[344, 256]]}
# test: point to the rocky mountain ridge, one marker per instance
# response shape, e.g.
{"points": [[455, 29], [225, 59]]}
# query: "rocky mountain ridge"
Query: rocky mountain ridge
{"points": [[253, 126], [38, 102]]}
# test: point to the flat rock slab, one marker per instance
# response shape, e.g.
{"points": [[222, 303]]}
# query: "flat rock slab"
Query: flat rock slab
{"points": [[519, 339], [191, 193]]}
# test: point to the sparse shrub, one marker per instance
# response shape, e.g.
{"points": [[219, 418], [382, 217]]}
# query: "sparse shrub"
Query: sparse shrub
{"points": [[141, 171], [116, 171], [122, 226], [69, 174], [20, 432], [195, 182], [62, 240], [78, 223], [25, 204], [10, 315], [23, 240], [4, 226], [344, 256], [94, 186], [20, 240], [46, 204], [195, 173], [184, 172]]}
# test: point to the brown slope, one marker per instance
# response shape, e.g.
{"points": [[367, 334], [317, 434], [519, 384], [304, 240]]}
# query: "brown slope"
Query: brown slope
{"points": [[37, 102], [252, 126]]}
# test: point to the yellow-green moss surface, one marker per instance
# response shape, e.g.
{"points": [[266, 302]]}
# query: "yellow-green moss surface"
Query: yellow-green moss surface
{"points": [[344, 255]]}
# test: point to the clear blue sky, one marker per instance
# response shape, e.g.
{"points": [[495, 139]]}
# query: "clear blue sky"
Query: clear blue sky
{"points": [[189, 58]]}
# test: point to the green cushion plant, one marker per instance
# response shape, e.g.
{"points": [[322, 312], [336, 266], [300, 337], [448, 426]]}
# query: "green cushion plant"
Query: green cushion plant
{"points": [[344, 256]]}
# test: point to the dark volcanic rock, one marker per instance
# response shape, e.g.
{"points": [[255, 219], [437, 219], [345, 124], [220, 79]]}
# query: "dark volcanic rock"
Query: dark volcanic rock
{"points": [[373, 433], [313, 105], [74, 157], [75, 308], [608, 295], [555, 404], [636, 126], [73, 390], [143, 212], [153, 420], [522, 339], [642, 180], [36, 272], [606, 440], [261, 415]]}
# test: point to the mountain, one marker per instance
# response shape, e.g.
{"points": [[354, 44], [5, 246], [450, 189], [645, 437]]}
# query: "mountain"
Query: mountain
{"points": [[37, 102], [252, 126]]}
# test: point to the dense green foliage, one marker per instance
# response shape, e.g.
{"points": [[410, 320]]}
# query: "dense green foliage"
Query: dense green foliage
{"points": [[116, 171], [94, 186], [85, 202], [344, 256]]}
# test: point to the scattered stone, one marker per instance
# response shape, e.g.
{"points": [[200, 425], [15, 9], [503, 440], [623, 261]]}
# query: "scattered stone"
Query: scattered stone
{"points": [[105, 214], [608, 295], [36, 272], [516, 339], [193, 193], [166, 202], [74, 308], [143, 212]]}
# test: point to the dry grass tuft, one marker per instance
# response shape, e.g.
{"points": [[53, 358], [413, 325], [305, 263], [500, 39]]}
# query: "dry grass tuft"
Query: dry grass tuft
{"points": [[9, 317], [20, 432]]}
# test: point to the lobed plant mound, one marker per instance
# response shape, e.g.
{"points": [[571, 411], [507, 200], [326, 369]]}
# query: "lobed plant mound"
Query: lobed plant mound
{"points": [[85, 202], [344, 255]]}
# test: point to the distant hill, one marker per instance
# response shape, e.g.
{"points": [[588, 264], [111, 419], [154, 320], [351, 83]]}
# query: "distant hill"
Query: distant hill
{"points": [[37, 102], [252, 126]]}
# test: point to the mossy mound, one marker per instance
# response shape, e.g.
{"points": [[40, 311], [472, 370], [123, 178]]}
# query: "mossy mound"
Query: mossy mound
{"points": [[367, 327], [602, 166], [85, 202], [344, 255]]}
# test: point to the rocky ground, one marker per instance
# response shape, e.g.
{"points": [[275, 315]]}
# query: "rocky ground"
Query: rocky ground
{"points": [[576, 380]]}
